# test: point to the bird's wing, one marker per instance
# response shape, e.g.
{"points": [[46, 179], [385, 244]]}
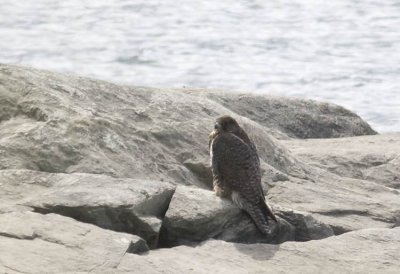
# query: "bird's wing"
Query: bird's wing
{"points": [[237, 166]]}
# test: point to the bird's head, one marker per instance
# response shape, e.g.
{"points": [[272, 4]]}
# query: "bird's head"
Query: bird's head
{"points": [[226, 123]]}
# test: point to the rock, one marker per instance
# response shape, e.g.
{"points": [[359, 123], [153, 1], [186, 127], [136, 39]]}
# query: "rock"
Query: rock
{"points": [[125, 205], [345, 204], [374, 158], [195, 215], [57, 123], [63, 124], [36, 243], [296, 118], [363, 251], [306, 226], [387, 173], [103, 154]]}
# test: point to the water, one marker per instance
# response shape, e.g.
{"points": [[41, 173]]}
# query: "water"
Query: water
{"points": [[342, 51]]}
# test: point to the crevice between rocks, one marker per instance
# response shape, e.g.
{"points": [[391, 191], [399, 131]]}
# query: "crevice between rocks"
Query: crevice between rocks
{"points": [[139, 247], [19, 237], [13, 269], [139, 220], [119, 219], [294, 226], [343, 212]]}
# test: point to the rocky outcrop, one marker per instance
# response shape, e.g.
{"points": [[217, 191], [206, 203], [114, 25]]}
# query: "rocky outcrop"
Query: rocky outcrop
{"points": [[85, 161], [58, 123], [57, 244]]}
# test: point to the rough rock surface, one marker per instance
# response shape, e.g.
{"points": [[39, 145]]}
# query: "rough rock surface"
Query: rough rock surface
{"points": [[306, 226], [295, 118], [112, 156], [363, 251], [36, 243], [126, 205], [195, 215], [345, 204], [374, 158], [57, 123]]}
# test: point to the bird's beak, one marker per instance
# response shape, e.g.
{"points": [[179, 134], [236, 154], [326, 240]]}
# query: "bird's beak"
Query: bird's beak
{"points": [[217, 126]]}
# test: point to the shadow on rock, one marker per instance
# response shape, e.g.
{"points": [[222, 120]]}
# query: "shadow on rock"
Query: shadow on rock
{"points": [[259, 252]]}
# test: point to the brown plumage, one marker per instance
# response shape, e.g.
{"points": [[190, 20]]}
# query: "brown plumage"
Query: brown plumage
{"points": [[236, 170]]}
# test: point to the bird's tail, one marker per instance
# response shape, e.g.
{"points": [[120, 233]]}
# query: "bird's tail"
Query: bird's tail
{"points": [[267, 210], [259, 213]]}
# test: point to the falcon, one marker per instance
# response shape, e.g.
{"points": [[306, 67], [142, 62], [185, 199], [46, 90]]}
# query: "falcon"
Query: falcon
{"points": [[236, 171]]}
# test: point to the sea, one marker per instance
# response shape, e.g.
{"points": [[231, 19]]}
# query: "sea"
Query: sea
{"points": [[341, 51]]}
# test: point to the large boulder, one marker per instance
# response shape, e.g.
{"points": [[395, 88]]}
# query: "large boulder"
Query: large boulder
{"points": [[57, 123]]}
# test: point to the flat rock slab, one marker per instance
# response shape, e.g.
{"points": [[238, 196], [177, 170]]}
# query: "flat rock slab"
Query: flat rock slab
{"points": [[363, 251], [345, 204], [374, 158], [125, 205], [35, 243]]}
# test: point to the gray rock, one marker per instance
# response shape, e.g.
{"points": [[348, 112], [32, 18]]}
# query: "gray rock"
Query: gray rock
{"points": [[306, 226], [57, 132], [295, 117], [374, 158], [36, 243], [195, 215], [387, 173], [364, 251], [345, 204], [57, 123], [126, 205]]}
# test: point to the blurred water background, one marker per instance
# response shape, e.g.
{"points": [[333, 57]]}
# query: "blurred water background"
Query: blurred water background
{"points": [[342, 51]]}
